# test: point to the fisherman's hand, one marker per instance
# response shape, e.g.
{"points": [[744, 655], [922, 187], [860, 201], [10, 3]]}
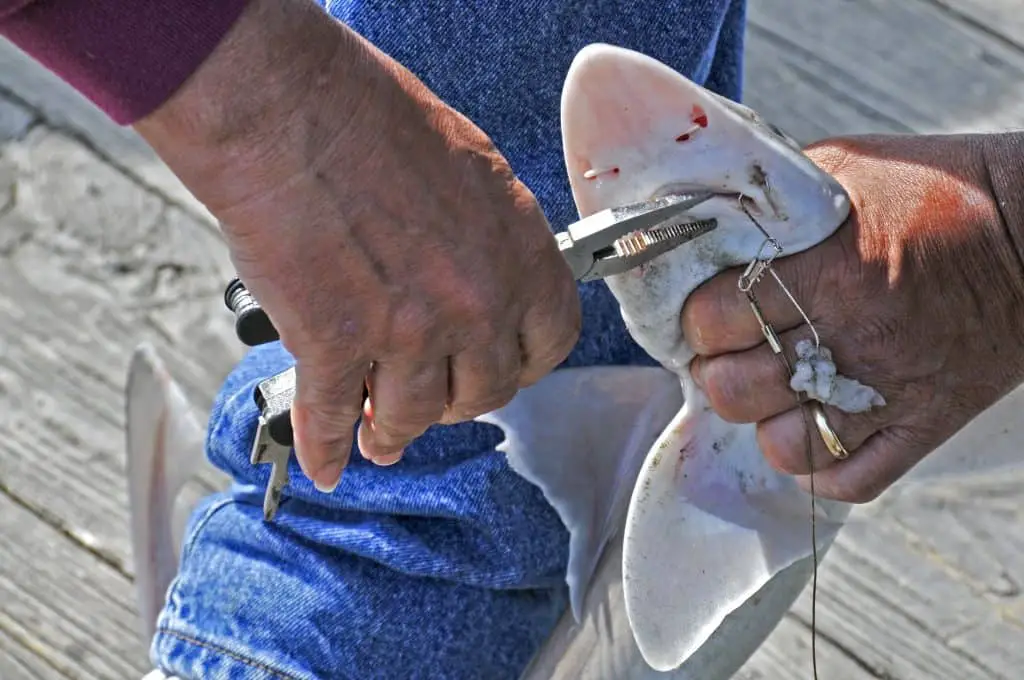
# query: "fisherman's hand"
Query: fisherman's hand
{"points": [[920, 294], [375, 225]]}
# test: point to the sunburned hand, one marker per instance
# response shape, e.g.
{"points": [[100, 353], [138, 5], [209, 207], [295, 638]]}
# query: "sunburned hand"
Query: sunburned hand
{"points": [[384, 234], [919, 295]]}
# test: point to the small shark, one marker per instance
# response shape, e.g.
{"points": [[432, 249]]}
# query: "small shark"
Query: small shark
{"points": [[703, 546], [686, 547]]}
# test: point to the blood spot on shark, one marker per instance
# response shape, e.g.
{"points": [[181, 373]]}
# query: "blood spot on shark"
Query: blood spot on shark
{"points": [[699, 117], [698, 121]]}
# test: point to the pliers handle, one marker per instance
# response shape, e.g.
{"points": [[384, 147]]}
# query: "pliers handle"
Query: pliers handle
{"points": [[601, 245]]}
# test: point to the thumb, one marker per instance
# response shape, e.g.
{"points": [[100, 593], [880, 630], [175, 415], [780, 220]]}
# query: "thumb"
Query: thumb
{"points": [[327, 405]]}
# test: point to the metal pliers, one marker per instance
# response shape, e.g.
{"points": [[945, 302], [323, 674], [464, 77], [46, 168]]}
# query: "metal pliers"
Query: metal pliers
{"points": [[609, 242], [615, 240]]}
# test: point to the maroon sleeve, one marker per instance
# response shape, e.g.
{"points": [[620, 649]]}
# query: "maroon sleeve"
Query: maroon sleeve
{"points": [[127, 56]]}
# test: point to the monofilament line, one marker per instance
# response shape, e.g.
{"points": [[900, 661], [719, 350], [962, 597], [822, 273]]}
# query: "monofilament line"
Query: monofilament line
{"points": [[754, 272]]}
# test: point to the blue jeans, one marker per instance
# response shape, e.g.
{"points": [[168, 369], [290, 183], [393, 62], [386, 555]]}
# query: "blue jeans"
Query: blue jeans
{"points": [[447, 565]]}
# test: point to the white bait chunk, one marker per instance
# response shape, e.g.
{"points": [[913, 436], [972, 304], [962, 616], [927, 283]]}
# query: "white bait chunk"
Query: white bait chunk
{"points": [[815, 373]]}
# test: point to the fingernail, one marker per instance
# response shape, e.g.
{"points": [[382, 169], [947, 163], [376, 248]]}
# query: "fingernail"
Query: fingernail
{"points": [[697, 373], [695, 337], [328, 477], [363, 443], [388, 459]]}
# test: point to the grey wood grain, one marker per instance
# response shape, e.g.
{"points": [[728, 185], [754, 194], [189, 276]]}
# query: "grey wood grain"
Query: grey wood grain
{"points": [[63, 614], [92, 265], [63, 108], [100, 248], [849, 66], [1001, 19], [925, 587]]}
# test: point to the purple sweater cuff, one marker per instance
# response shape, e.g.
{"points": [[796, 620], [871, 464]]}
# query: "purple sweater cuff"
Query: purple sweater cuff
{"points": [[127, 56]]}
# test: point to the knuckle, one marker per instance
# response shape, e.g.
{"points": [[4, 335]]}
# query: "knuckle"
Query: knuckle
{"points": [[879, 333], [475, 303], [702, 318], [498, 399], [411, 328], [485, 351], [330, 420], [410, 416], [571, 328], [554, 349], [569, 309], [724, 392], [780, 462], [859, 491], [780, 457], [477, 406], [330, 381], [552, 355], [508, 361], [424, 389], [394, 432]]}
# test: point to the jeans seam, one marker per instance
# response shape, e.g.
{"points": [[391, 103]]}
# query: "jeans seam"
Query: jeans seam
{"points": [[213, 647], [214, 508]]}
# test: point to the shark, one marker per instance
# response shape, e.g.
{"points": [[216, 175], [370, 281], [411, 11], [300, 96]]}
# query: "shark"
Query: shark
{"points": [[702, 546], [686, 547]]}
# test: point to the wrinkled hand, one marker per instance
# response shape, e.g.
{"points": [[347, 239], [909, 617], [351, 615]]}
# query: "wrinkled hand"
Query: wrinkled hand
{"points": [[384, 234], [919, 295]]}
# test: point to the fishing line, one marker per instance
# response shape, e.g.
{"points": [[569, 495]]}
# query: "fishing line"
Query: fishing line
{"points": [[754, 272]]}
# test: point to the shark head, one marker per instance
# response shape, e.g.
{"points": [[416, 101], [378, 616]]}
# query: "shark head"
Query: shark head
{"points": [[634, 129]]}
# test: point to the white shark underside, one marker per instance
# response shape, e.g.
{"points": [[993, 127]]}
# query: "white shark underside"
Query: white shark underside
{"points": [[686, 548], [714, 543]]}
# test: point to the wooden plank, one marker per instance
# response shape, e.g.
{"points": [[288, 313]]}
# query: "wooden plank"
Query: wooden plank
{"points": [[92, 265], [789, 656], [64, 108], [925, 587], [62, 614], [899, 66], [814, 105], [1001, 19], [894, 609]]}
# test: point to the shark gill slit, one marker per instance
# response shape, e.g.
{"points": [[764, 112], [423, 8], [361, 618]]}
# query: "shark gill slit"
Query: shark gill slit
{"points": [[594, 174]]}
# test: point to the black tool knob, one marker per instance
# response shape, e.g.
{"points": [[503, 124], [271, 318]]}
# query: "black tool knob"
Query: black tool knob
{"points": [[252, 325]]}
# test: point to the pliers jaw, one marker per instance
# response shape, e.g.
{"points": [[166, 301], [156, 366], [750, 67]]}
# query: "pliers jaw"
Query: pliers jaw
{"points": [[615, 240]]}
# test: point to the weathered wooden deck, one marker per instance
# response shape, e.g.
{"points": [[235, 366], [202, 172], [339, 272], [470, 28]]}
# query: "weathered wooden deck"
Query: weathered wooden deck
{"points": [[930, 589]]}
